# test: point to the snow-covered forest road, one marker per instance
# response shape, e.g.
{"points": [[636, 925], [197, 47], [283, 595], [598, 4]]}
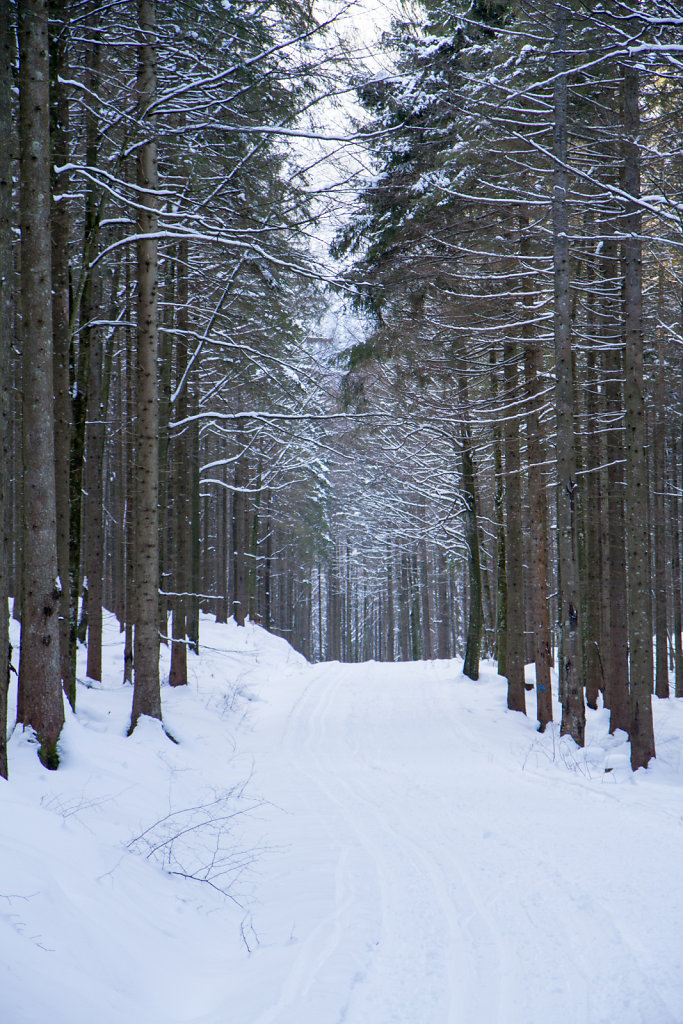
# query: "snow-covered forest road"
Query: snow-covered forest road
{"points": [[447, 873], [396, 848]]}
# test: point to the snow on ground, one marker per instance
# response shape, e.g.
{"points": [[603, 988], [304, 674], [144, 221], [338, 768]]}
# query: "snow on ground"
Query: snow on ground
{"points": [[367, 844]]}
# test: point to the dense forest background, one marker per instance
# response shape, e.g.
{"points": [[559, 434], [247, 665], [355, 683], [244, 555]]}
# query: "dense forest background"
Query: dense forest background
{"points": [[458, 433]]}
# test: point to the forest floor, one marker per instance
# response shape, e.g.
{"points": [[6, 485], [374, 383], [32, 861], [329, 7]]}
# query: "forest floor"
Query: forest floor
{"points": [[366, 844]]}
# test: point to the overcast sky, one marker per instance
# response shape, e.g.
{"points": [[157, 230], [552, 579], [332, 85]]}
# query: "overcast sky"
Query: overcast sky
{"points": [[367, 17]]}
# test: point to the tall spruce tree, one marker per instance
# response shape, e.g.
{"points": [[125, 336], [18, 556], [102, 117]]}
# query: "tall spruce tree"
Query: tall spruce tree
{"points": [[147, 693], [40, 685], [6, 274]]}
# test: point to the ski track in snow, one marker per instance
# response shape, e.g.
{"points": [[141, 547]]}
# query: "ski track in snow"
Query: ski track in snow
{"points": [[440, 915], [406, 973]]}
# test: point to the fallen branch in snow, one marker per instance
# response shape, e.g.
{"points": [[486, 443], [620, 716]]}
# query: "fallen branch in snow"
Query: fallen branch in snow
{"points": [[249, 935], [564, 752], [198, 843]]}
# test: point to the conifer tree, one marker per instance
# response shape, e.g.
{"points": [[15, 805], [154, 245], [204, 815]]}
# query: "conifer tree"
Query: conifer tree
{"points": [[6, 273], [40, 685], [146, 693]]}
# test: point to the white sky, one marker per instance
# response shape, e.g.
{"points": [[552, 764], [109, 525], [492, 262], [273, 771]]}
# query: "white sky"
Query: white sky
{"points": [[360, 23], [367, 17]]}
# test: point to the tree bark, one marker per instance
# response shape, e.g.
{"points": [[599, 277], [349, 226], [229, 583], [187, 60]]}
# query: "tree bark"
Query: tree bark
{"points": [[591, 492], [538, 510], [6, 274], [224, 528], [195, 528], [639, 605], [476, 616], [416, 638], [571, 688], [40, 679], [129, 483], [443, 635], [514, 663], [475, 623], [254, 527], [615, 653], [389, 605], [428, 652], [658, 508], [675, 505], [61, 319], [499, 516], [93, 526], [333, 652], [182, 553], [147, 692], [85, 307], [240, 575], [166, 353], [404, 609]]}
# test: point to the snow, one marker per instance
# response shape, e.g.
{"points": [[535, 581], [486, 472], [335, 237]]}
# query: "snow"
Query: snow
{"points": [[392, 844]]}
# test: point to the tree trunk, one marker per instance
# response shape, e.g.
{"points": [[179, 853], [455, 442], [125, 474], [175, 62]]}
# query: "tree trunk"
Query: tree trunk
{"points": [[6, 274], [475, 624], [591, 492], [639, 605], [252, 575], [416, 648], [118, 491], [182, 553], [677, 507], [85, 306], [166, 352], [592, 510], [240, 552], [40, 678], [538, 509], [147, 692], [267, 582], [129, 483], [658, 508], [93, 526], [499, 516], [514, 557], [389, 604], [16, 429], [61, 319], [333, 611], [195, 529], [426, 602], [404, 609], [615, 654], [571, 688], [676, 574], [443, 636], [223, 518], [476, 618]]}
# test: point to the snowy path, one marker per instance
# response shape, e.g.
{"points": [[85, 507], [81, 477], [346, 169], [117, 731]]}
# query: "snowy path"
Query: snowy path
{"points": [[432, 879], [410, 920], [405, 850]]}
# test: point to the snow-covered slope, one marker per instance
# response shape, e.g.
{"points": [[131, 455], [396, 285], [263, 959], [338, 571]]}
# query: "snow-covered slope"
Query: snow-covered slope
{"points": [[364, 844]]}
